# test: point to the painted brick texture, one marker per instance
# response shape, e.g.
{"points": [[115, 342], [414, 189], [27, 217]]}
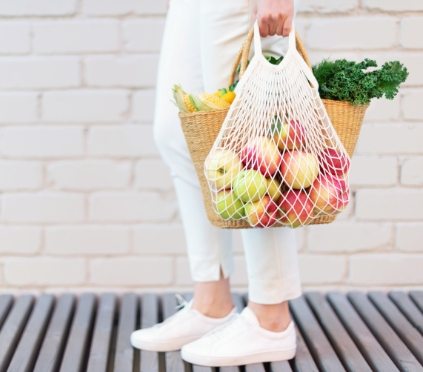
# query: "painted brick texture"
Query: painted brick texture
{"points": [[87, 202]]}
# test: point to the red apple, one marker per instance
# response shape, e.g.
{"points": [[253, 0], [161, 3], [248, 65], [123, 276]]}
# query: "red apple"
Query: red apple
{"points": [[261, 154], [343, 194], [299, 169], [288, 136], [334, 161], [262, 213], [329, 194], [324, 195], [297, 207]]}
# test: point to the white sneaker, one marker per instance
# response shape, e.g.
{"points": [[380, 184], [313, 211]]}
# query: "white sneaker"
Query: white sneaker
{"points": [[186, 325], [240, 342]]}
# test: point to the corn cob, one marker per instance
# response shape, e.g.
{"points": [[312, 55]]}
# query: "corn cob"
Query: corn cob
{"points": [[214, 101], [229, 96], [190, 103], [178, 95]]}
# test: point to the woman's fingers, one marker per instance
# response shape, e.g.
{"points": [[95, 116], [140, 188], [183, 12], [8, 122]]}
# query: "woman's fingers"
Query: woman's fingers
{"points": [[280, 26], [264, 27], [287, 26], [275, 17], [273, 25]]}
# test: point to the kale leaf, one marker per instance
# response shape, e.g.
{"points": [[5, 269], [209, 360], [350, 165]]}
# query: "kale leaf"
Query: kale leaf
{"points": [[359, 82]]}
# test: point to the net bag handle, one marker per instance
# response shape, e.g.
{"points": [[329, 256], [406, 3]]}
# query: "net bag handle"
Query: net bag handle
{"points": [[243, 54]]}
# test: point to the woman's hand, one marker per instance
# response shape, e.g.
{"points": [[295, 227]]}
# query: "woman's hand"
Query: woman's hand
{"points": [[275, 17]]}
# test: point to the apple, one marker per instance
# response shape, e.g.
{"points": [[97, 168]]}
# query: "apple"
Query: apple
{"points": [[262, 213], [329, 194], [299, 169], [229, 206], [221, 167], [343, 194], [288, 136], [334, 161], [249, 185], [324, 195], [261, 154], [274, 189], [297, 207]]}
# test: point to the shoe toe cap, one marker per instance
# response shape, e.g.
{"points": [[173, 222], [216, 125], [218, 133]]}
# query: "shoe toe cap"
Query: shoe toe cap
{"points": [[141, 336]]}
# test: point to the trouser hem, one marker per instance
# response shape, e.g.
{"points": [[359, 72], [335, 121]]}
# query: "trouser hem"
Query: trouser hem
{"points": [[265, 292]]}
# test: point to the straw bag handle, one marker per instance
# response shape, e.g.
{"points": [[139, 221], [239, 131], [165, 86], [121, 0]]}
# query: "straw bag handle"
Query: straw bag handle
{"points": [[243, 54]]}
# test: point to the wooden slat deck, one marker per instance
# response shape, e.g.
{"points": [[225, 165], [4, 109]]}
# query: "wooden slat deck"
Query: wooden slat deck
{"points": [[353, 331]]}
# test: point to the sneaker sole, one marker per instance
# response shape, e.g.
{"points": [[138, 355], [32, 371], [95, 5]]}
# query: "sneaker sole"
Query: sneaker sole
{"points": [[209, 361]]}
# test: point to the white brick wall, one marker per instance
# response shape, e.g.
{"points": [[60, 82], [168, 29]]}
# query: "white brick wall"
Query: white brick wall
{"points": [[39, 72], [84, 193], [41, 8]]}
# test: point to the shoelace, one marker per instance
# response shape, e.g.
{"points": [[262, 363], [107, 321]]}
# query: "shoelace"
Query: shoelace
{"points": [[182, 301]]}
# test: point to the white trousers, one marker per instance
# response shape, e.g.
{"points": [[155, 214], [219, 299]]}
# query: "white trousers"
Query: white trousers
{"points": [[201, 40]]}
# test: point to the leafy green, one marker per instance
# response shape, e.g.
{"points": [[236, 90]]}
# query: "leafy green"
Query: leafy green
{"points": [[359, 82], [233, 85], [274, 60]]}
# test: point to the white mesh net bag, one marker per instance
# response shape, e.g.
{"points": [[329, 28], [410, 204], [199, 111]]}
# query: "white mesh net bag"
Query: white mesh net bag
{"points": [[277, 160]]}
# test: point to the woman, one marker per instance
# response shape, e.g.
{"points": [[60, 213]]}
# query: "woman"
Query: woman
{"points": [[200, 42]]}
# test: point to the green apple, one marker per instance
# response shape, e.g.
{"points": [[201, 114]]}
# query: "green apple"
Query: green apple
{"points": [[274, 189], [221, 167], [249, 185], [229, 206]]}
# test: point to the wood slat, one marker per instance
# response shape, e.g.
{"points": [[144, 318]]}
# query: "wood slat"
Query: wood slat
{"points": [[51, 351], [417, 297], [124, 352], [407, 332], [150, 361], [344, 346], [389, 340], [77, 348], [377, 331], [230, 369], [303, 361], [283, 366], [13, 328], [174, 362], [314, 336], [6, 301], [408, 308], [28, 348], [198, 368], [255, 367], [101, 339], [375, 355]]}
